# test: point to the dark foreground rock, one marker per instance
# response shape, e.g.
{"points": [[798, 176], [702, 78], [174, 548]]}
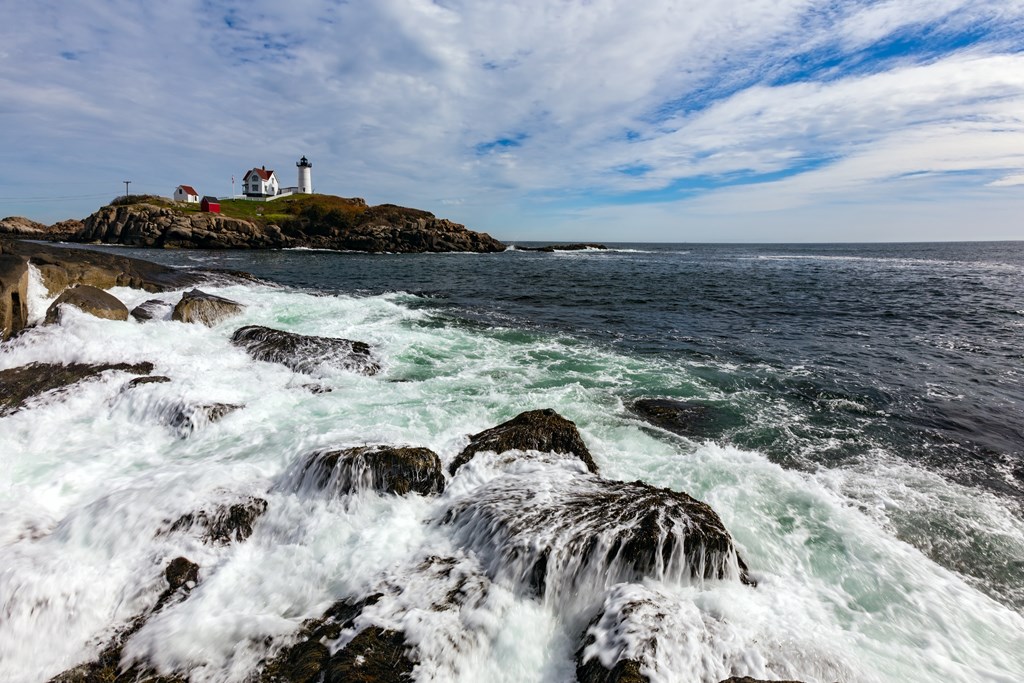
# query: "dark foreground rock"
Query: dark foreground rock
{"points": [[21, 384], [375, 655], [302, 353], [197, 306], [181, 575], [89, 299], [223, 524], [624, 671], [387, 469], [575, 534], [537, 430]]}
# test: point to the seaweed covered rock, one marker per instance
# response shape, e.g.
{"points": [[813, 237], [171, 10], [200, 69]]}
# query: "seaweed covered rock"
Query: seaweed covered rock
{"points": [[535, 430], [224, 523], [375, 655], [21, 384], [90, 300], [302, 353], [568, 534], [387, 469], [197, 306]]}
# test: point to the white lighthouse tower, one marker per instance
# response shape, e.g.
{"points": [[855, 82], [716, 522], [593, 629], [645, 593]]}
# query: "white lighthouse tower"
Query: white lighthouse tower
{"points": [[305, 176]]}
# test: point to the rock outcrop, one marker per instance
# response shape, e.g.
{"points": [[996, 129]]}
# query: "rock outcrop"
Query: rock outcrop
{"points": [[21, 384], [197, 306], [564, 247], [584, 533], [89, 299], [681, 417], [387, 469], [535, 430], [303, 353], [320, 221], [375, 655], [22, 227]]}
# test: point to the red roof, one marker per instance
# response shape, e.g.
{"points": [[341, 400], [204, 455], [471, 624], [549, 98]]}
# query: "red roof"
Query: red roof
{"points": [[261, 172], [189, 189]]}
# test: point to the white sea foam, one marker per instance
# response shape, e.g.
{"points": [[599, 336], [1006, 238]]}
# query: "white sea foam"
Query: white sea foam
{"points": [[93, 478]]}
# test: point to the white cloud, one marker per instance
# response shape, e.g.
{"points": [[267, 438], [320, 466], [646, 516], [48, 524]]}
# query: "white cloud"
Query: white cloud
{"points": [[396, 100]]}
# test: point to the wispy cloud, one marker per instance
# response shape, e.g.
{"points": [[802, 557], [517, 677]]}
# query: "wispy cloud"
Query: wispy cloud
{"points": [[538, 113]]}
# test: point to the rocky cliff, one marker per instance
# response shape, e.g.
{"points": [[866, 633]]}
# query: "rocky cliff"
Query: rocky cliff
{"points": [[314, 221]]}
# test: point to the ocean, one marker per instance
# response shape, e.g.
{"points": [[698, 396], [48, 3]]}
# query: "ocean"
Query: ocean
{"points": [[861, 435]]}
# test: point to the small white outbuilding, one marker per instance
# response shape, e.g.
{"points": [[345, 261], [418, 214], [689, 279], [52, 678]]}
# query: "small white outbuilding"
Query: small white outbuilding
{"points": [[186, 193]]}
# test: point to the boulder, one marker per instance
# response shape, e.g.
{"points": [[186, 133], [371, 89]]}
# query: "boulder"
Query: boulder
{"points": [[566, 534], [13, 294], [535, 430], [152, 309], [624, 671], [150, 379], [375, 655], [90, 300], [199, 307], [19, 385], [302, 353], [387, 469], [223, 524]]}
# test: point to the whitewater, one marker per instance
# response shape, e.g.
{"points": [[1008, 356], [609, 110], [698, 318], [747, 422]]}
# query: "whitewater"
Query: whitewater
{"points": [[92, 479]]}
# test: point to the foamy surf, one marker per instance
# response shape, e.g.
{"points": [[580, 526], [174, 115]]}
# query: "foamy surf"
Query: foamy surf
{"points": [[96, 478]]}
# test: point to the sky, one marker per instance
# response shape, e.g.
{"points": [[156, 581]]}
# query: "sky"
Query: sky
{"points": [[574, 120]]}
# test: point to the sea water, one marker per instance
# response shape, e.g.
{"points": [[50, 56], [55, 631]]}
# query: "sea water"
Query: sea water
{"points": [[864, 448]]}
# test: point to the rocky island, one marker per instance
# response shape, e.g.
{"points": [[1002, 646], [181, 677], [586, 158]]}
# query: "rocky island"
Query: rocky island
{"points": [[304, 220]]}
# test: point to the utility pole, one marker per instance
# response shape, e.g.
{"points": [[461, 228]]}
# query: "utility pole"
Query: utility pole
{"points": [[126, 183]]}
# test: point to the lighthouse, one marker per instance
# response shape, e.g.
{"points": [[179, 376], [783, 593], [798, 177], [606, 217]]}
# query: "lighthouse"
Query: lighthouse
{"points": [[305, 176]]}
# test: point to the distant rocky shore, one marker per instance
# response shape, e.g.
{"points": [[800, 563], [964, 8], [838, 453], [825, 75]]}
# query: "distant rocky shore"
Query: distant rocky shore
{"points": [[310, 221]]}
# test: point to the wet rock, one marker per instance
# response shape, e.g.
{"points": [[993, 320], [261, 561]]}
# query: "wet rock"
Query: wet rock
{"points": [[305, 661], [181, 575], [199, 307], [302, 353], [571, 534], [62, 267], [225, 523], [90, 300], [624, 671], [375, 655], [387, 469], [19, 385], [13, 294], [186, 418], [151, 379], [536, 430], [152, 309], [680, 417]]}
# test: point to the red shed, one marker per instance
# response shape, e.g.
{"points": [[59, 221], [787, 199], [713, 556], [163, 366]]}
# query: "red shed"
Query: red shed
{"points": [[210, 205]]}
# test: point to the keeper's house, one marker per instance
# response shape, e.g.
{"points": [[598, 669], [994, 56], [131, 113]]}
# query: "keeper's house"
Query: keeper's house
{"points": [[259, 182]]}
